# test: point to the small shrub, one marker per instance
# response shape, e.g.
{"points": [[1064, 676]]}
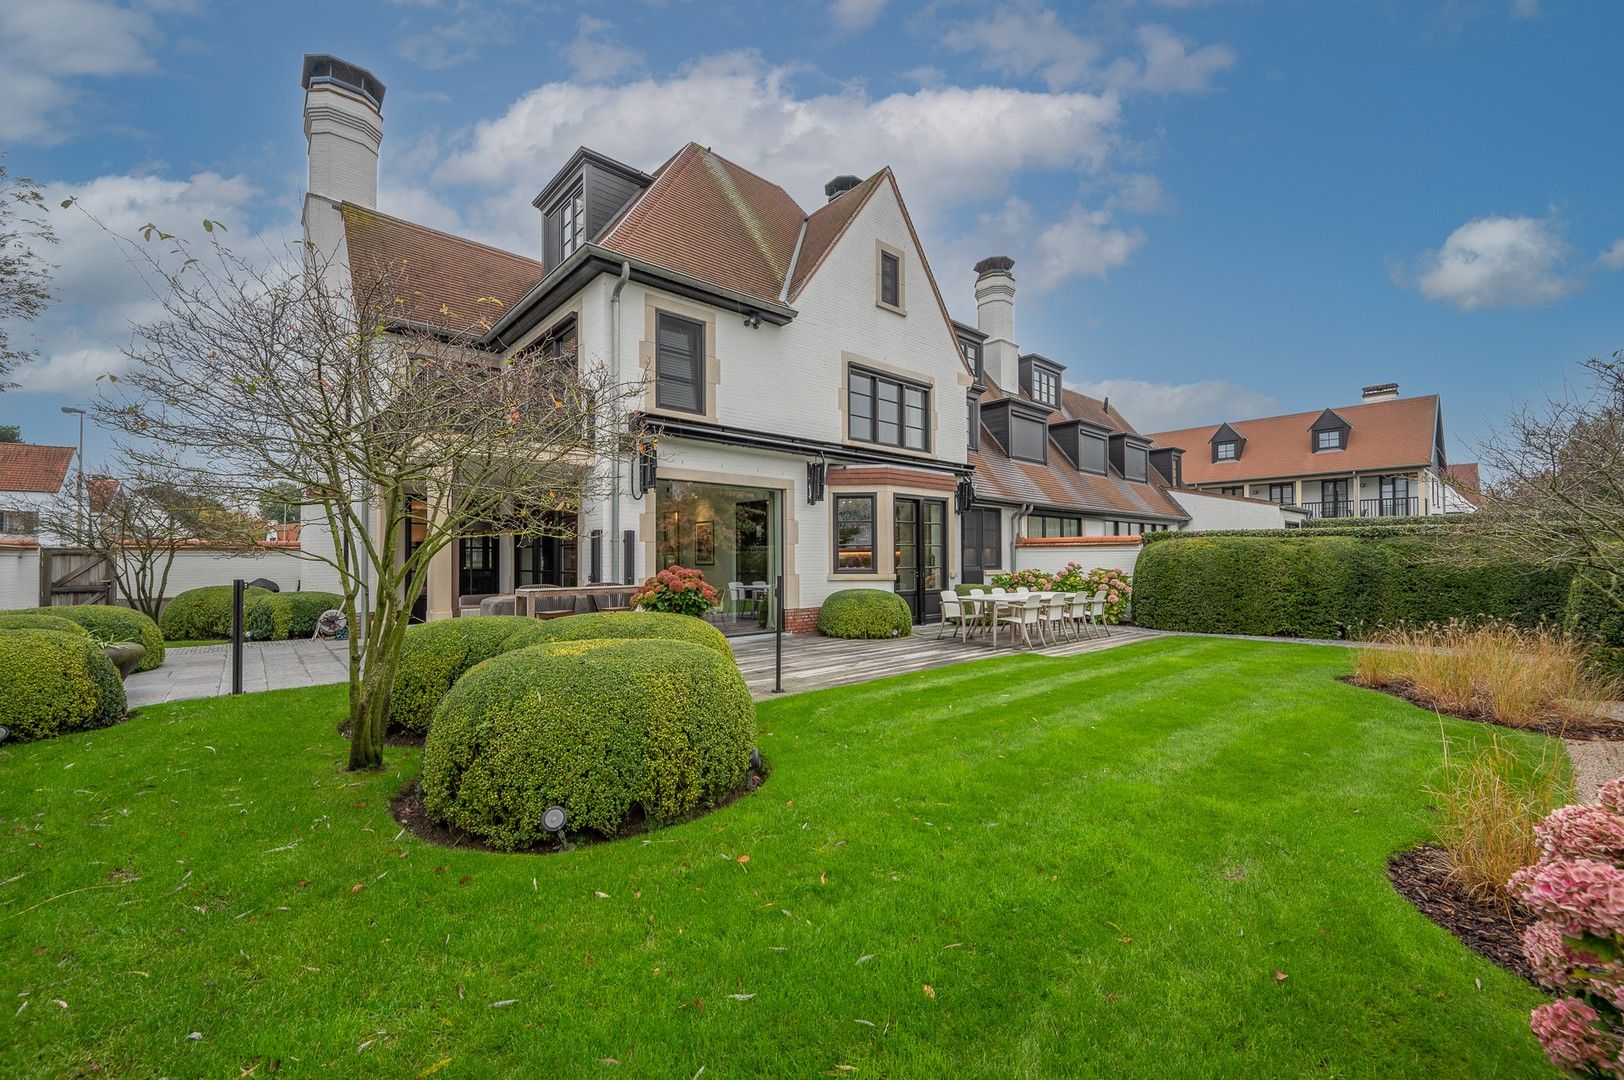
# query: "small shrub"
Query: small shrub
{"points": [[634, 624], [53, 681], [864, 613], [283, 615], [28, 620], [1488, 805], [434, 655], [677, 590], [114, 624], [1595, 617], [1493, 671], [612, 731], [199, 614], [1575, 890]]}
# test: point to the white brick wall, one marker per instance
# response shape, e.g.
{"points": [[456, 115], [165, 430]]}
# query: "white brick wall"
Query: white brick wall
{"points": [[1051, 557], [1209, 512]]}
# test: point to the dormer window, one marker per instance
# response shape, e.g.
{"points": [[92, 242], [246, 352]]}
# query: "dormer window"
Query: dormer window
{"points": [[572, 222], [1227, 444], [1329, 432], [1328, 440], [1226, 451], [1045, 387]]}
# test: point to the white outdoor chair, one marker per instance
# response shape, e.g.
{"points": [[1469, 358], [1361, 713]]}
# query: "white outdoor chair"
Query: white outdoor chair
{"points": [[1028, 615], [1096, 612], [1077, 606], [954, 614], [1054, 616], [735, 599]]}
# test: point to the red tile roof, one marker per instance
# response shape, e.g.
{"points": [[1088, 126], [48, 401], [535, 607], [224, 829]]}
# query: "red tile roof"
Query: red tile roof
{"points": [[1395, 434], [444, 280], [826, 225], [32, 467], [1467, 482]]}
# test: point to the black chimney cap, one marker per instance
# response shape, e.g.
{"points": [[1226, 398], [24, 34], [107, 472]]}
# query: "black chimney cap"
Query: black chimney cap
{"points": [[840, 185], [324, 68], [995, 263]]}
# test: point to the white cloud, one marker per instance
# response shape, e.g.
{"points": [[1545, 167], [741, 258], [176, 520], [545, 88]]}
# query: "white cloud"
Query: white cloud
{"points": [[1613, 257], [1172, 67], [45, 47], [597, 54], [448, 44], [1080, 243], [852, 15], [1494, 262], [1154, 406]]}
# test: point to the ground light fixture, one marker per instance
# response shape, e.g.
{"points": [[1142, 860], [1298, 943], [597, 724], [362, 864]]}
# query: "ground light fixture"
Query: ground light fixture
{"points": [[5, 732], [755, 758], [553, 819]]}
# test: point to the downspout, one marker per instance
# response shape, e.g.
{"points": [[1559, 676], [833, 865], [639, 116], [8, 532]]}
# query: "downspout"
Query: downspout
{"points": [[1015, 532], [614, 454]]}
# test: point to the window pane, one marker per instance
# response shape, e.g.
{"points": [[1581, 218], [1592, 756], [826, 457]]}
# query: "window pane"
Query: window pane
{"points": [[890, 291], [888, 417], [1093, 454], [914, 422], [860, 403], [1027, 438], [1136, 461], [854, 532], [679, 354]]}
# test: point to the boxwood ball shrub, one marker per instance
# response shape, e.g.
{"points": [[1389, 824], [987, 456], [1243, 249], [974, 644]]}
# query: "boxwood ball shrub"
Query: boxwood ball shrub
{"points": [[115, 624], [613, 731], [865, 613], [434, 655], [281, 615], [53, 681], [635, 624], [28, 620], [204, 613]]}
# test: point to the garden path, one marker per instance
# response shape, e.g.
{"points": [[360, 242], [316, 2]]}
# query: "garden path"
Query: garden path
{"points": [[205, 670]]}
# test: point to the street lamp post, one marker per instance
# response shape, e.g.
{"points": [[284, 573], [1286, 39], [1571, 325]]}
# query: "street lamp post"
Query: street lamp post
{"points": [[71, 411]]}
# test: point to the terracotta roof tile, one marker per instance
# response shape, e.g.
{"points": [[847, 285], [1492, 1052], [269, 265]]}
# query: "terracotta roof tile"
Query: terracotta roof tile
{"points": [[1394, 434], [1467, 481], [711, 219], [826, 225], [445, 277], [1001, 478], [33, 467]]}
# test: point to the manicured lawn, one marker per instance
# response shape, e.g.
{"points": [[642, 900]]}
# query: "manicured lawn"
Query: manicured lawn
{"points": [[1097, 866]]}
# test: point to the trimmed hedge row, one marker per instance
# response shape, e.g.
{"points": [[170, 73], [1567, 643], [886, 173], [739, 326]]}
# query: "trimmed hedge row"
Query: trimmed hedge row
{"points": [[435, 655], [55, 681], [113, 624], [864, 613], [1329, 584], [197, 614], [1593, 615], [613, 731], [282, 615]]}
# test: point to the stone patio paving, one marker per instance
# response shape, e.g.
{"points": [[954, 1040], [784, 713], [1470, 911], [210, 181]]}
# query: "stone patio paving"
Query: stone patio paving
{"points": [[205, 670]]}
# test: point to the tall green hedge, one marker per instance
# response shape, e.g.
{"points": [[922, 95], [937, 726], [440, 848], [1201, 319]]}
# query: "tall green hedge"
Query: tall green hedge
{"points": [[1595, 617], [1329, 584]]}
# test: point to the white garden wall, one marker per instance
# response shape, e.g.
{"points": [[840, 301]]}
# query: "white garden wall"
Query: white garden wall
{"points": [[19, 577], [1050, 555]]}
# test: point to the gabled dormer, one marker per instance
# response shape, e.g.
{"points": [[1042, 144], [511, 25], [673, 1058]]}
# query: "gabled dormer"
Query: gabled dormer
{"points": [[1040, 378], [1329, 432], [1169, 461], [580, 202], [1020, 427], [1130, 455], [1227, 444], [1083, 444]]}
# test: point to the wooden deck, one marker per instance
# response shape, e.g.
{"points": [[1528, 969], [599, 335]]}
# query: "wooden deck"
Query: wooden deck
{"points": [[813, 663]]}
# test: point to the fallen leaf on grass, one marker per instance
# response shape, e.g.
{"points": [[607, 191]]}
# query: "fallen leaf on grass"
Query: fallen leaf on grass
{"points": [[193, 1036], [436, 1067], [1280, 976], [865, 1023], [357, 887], [865, 958], [504, 1003], [741, 997], [59, 1003], [600, 894], [608, 1061], [930, 991]]}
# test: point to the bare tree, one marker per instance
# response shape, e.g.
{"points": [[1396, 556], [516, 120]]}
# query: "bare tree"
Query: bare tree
{"points": [[138, 524], [258, 373], [25, 278], [1557, 494]]}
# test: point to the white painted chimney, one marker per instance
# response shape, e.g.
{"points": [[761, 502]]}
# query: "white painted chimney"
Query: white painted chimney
{"points": [[1386, 391], [343, 125], [995, 317]]}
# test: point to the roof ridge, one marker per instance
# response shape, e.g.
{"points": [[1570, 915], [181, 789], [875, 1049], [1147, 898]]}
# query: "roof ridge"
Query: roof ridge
{"points": [[1316, 413], [854, 198], [730, 163], [718, 166], [37, 446], [346, 204]]}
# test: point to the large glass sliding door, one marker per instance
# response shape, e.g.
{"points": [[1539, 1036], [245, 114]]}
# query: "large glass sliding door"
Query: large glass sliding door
{"points": [[731, 535], [547, 560], [921, 553]]}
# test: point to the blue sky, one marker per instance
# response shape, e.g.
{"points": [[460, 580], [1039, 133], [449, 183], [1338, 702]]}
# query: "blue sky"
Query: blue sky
{"points": [[1217, 209]]}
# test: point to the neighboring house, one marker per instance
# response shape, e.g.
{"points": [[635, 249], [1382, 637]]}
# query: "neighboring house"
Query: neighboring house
{"points": [[817, 414], [1383, 457], [31, 475]]}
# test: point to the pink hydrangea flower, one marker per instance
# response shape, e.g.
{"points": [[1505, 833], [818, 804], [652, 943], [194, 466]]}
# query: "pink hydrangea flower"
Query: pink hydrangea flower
{"points": [[1611, 795], [1581, 832], [1578, 896], [1568, 1032]]}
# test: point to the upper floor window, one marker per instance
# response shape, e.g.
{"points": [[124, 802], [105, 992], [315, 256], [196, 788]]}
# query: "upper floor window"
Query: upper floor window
{"points": [[1226, 451], [572, 221], [1092, 450], [888, 411], [1045, 387], [1135, 462], [972, 355], [1028, 439], [888, 292], [679, 363], [1283, 494], [1328, 440], [1237, 491], [1054, 525]]}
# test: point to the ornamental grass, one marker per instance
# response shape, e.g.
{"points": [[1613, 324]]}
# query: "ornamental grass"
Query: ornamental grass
{"points": [[1489, 803]]}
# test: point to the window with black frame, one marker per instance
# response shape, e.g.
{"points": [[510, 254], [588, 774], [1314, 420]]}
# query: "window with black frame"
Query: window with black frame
{"points": [[1052, 525], [1283, 494], [887, 411], [679, 363], [854, 533]]}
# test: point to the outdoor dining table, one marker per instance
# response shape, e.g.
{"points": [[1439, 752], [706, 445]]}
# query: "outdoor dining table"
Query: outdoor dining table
{"points": [[986, 603]]}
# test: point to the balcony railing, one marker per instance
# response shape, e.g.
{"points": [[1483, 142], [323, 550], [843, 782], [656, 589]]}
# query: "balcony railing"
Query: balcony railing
{"points": [[1340, 508]]}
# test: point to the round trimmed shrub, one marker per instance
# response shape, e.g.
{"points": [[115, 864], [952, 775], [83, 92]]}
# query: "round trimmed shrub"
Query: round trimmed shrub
{"points": [[111, 623], [865, 613], [28, 620], [434, 655], [613, 731], [1593, 616], [282, 615], [666, 626], [197, 614], [53, 681]]}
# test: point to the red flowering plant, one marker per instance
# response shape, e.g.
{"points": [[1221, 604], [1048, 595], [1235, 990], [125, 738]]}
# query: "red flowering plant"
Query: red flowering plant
{"points": [[1117, 586], [676, 589], [1576, 891]]}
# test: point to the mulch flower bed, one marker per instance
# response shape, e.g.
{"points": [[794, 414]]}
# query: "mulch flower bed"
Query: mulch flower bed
{"points": [[1423, 877], [407, 808], [1582, 727]]}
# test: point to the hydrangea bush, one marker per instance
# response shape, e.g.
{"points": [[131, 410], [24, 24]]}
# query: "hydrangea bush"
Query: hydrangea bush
{"points": [[1072, 577], [1576, 892], [678, 590]]}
